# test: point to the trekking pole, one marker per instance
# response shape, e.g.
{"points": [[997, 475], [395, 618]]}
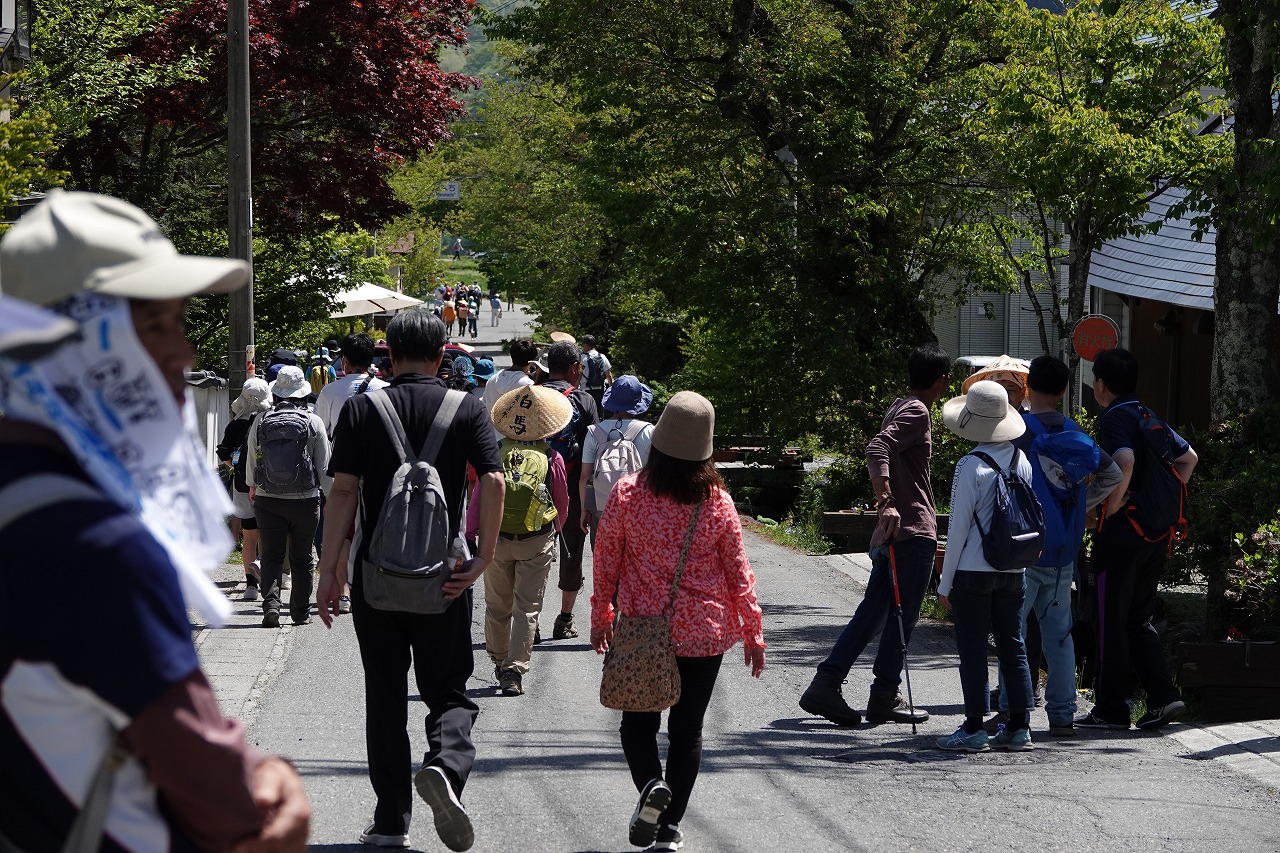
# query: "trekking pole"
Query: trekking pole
{"points": [[902, 632]]}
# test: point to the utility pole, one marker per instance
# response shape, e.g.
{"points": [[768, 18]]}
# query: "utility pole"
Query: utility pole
{"points": [[239, 190]]}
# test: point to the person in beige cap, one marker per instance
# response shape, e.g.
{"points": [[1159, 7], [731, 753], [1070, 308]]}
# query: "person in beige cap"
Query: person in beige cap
{"points": [[981, 598], [103, 486], [675, 510], [1007, 372], [534, 511]]}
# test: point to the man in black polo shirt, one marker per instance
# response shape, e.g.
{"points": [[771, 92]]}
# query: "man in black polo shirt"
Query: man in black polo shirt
{"points": [[363, 462], [1128, 559]]}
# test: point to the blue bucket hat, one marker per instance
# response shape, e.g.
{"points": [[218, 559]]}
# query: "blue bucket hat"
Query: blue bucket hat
{"points": [[483, 369], [628, 394]]}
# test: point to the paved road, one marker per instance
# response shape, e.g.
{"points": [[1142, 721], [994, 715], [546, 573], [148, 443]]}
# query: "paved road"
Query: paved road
{"points": [[550, 775]]}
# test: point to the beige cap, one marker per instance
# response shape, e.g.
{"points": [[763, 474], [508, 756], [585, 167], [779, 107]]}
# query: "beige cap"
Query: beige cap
{"points": [[290, 383], [984, 414], [74, 241], [531, 412], [687, 427]]}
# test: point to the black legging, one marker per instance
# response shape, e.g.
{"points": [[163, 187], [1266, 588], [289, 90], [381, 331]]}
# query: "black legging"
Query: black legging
{"points": [[684, 736]]}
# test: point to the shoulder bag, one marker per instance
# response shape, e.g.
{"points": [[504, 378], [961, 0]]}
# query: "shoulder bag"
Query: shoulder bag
{"points": [[640, 671]]}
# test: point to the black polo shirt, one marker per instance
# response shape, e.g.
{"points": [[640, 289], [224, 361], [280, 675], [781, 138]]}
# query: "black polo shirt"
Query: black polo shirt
{"points": [[1119, 427], [363, 448]]}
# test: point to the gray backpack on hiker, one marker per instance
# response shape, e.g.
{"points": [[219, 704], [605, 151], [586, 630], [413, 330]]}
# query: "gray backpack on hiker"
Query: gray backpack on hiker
{"points": [[284, 458], [409, 557]]}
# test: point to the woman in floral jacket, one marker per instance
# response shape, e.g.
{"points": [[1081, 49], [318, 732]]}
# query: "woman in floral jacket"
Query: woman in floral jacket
{"points": [[642, 533]]}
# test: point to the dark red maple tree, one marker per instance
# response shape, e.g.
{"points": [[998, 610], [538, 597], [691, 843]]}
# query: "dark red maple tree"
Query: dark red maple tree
{"points": [[343, 91]]}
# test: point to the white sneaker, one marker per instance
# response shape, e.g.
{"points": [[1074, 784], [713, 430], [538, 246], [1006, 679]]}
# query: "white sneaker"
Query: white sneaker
{"points": [[286, 580], [452, 823], [250, 593], [377, 840]]}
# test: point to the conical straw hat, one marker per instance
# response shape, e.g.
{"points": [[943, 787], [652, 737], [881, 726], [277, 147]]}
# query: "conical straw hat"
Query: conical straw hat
{"points": [[531, 412]]}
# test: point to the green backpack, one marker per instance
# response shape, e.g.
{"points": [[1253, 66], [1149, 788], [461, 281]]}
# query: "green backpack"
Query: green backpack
{"points": [[528, 507]]}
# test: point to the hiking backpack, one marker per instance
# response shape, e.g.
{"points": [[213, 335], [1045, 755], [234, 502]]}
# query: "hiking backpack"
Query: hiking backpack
{"points": [[616, 457], [284, 459], [1061, 463], [528, 506], [565, 442], [1016, 536], [1156, 510], [595, 370], [409, 556]]}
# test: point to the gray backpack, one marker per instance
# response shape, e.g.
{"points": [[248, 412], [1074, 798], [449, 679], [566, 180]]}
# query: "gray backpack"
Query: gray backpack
{"points": [[284, 443], [409, 557]]}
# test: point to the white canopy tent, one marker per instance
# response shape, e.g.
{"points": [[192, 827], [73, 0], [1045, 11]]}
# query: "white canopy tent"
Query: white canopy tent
{"points": [[370, 298]]}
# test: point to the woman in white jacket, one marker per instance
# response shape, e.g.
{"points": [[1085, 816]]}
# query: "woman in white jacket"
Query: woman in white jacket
{"points": [[981, 599]]}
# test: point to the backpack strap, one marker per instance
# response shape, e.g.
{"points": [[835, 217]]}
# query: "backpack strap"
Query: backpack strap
{"points": [[391, 420], [444, 418], [28, 494], [985, 457]]}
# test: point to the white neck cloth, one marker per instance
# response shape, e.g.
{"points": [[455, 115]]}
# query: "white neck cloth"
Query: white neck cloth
{"points": [[107, 400]]}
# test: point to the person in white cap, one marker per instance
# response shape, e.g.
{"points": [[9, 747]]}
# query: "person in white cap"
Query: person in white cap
{"points": [[254, 400], [103, 486], [985, 598], [288, 449]]}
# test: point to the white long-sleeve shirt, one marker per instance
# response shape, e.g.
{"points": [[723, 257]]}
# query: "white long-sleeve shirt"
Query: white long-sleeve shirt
{"points": [[973, 494]]}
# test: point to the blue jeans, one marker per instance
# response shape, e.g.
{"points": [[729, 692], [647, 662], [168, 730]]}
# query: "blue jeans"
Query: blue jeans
{"points": [[991, 602], [1049, 594], [915, 567]]}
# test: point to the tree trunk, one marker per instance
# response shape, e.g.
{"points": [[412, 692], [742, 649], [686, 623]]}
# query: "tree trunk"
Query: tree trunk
{"points": [[1246, 366]]}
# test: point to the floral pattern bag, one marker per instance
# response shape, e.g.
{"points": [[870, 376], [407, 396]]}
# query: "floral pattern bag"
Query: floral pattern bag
{"points": [[640, 671]]}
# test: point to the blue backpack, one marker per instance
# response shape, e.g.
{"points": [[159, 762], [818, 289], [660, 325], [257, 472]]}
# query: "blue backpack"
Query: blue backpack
{"points": [[1061, 462], [1016, 536]]}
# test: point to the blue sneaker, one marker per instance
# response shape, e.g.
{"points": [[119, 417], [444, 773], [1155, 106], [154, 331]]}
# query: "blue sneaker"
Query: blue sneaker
{"points": [[1019, 741], [958, 741]]}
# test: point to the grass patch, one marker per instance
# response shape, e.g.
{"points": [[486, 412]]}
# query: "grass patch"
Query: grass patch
{"points": [[788, 534]]}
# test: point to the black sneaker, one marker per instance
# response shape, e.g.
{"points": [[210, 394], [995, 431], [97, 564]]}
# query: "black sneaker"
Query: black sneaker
{"points": [[653, 801], [452, 823], [537, 634], [1164, 715], [1092, 721], [669, 840], [997, 722], [271, 619], [564, 628]]}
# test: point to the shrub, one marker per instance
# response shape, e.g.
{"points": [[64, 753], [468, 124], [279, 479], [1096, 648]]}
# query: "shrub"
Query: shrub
{"points": [[1253, 581]]}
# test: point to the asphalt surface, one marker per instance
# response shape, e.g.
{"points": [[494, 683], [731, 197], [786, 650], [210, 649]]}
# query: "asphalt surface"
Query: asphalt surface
{"points": [[550, 774]]}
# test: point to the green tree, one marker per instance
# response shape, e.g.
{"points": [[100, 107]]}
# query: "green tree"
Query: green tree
{"points": [[791, 176], [1094, 113]]}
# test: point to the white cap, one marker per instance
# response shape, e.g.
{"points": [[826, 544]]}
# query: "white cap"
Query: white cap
{"points": [[75, 241]]}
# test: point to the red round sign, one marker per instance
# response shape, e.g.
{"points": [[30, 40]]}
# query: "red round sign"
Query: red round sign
{"points": [[1095, 334]]}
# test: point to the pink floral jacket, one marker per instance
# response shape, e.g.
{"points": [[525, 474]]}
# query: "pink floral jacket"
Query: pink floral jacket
{"points": [[637, 551]]}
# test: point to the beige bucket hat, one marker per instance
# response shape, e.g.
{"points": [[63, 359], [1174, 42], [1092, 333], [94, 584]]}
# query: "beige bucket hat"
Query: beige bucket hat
{"points": [[531, 412], [984, 414], [686, 430]]}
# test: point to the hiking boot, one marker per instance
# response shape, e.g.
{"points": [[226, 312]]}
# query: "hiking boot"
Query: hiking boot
{"points": [[537, 634], [959, 741], [1019, 741], [654, 799], [564, 628], [669, 840], [382, 839], [823, 698], [892, 708], [509, 682], [1091, 720], [452, 823], [271, 619], [1067, 729], [1157, 717], [997, 722]]}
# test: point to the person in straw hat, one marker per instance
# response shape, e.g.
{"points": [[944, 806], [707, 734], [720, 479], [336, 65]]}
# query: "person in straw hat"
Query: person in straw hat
{"points": [[536, 506], [677, 498], [982, 599], [1007, 372]]}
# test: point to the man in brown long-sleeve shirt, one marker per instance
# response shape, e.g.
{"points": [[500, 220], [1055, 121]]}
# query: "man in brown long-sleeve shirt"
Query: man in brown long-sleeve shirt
{"points": [[898, 463]]}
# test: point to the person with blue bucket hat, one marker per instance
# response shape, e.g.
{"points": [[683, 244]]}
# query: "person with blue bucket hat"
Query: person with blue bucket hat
{"points": [[615, 447]]}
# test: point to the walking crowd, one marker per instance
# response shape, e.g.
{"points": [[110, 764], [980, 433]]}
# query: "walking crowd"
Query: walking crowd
{"points": [[414, 469]]}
